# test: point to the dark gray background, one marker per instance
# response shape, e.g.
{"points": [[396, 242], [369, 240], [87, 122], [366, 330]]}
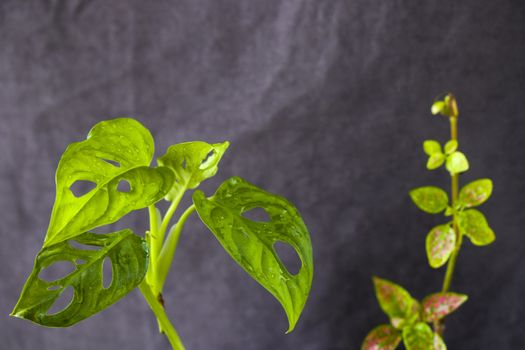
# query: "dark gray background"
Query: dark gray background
{"points": [[324, 102]]}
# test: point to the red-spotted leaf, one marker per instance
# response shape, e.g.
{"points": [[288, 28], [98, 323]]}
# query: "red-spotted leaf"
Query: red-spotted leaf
{"points": [[395, 301], [440, 243], [430, 199], [436, 306], [475, 193], [418, 337], [473, 224], [384, 337]]}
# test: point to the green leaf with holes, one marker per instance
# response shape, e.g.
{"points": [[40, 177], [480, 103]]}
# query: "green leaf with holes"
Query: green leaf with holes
{"points": [[473, 224], [418, 336], [383, 337], [396, 302], [440, 243], [475, 193], [436, 306], [129, 258], [115, 151], [251, 243], [192, 162], [430, 199]]}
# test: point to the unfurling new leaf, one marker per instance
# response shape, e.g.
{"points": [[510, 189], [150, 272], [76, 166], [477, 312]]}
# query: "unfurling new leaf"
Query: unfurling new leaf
{"points": [[473, 224], [440, 243], [192, 162], [114, 151], [128, 255], [418, 337], [251, 243], [430, 199], [383, 337]]}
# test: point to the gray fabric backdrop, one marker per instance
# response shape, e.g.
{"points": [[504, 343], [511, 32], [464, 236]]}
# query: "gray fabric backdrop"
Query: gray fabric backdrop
{"points": [[324, 102]]}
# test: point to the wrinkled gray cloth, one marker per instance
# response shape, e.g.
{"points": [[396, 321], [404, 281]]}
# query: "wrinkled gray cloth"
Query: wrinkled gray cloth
{"points": [[324, 102]]}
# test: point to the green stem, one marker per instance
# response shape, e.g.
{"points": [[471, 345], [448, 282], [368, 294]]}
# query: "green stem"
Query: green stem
{"points": [[154, 246], [169, 214], [160, 313], [168, 249], [439, 327]]}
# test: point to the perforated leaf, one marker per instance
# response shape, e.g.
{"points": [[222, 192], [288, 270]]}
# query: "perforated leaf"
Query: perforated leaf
{"points": [[440, 243], [475, 193], [115, 151], [418, 337], [396, 302], [430, 199], [192, 162], [474, 225], [128, 255], [436, 306], [251, 243], [384, 337]]}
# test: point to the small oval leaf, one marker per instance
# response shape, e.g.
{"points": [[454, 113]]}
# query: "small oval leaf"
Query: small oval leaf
{"points": [[384, 337], [473, 224], [451, 147], [435, 161], [475, 193], [121, 140], [431, 147], [418, 337], [430, 199], [250, 243], [457, 163], [128, 255], [440, 243], [436, 306]]}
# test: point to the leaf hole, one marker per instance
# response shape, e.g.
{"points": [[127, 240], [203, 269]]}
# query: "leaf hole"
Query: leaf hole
{"points": [[80, 261], [57, 270], [63, 301], [112, 162], [81, 246], [209, 160], [288, 257], [107, 273], [183, 165], [256, 214], [82, 187], [124, 186]]}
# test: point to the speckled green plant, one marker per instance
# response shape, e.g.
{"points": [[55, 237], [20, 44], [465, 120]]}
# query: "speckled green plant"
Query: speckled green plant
{"points": [[410, 319], [112, 168]]}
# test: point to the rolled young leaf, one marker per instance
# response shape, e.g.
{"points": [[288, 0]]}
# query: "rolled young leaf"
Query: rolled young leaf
{"points": [[384, 337], [251, 243], [474, 225], [129, 258], [396, 302], [440, 243], [430, 199], [418, 337], [192, 162], [475, 193], [436, 306], [116, 151]]}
